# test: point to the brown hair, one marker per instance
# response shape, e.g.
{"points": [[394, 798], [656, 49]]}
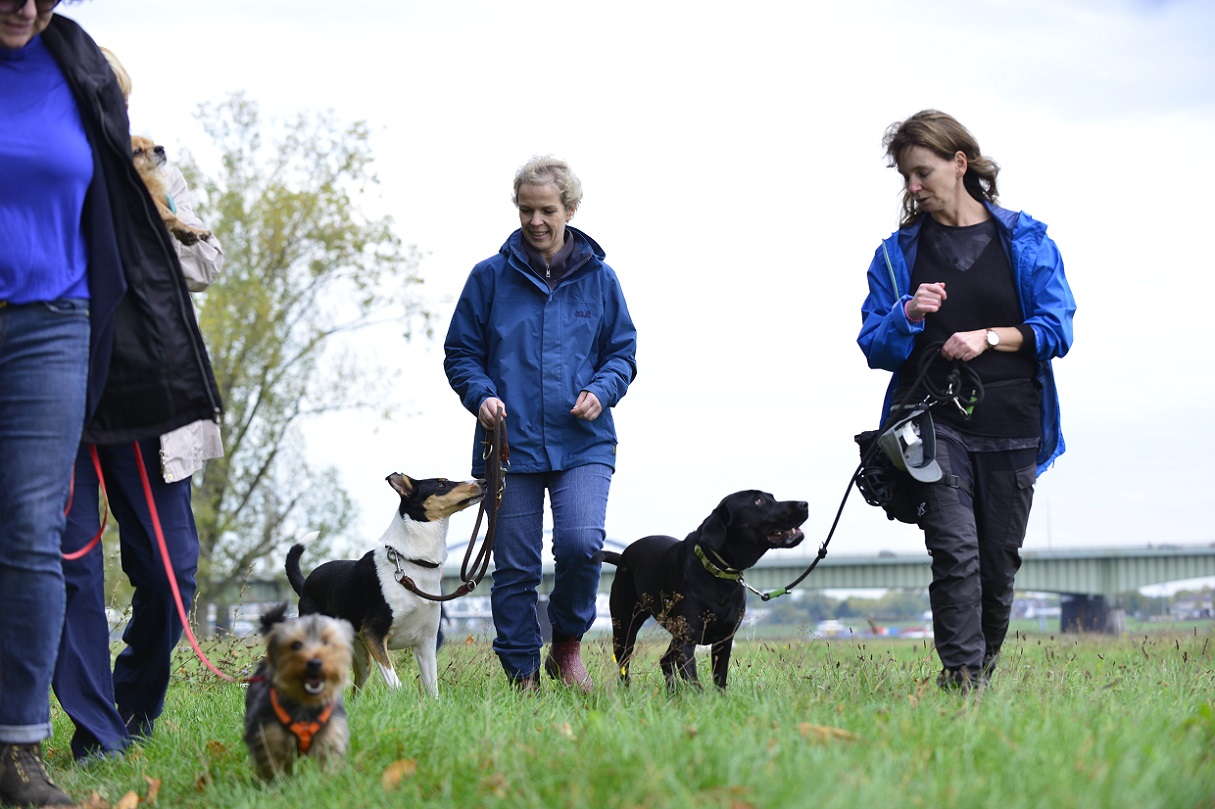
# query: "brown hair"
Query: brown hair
{"points": [[944, 136]]}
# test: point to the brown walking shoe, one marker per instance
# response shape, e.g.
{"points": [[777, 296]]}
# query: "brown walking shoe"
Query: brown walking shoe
{"points": [[23, 779], [529, 684], [564, 662]]}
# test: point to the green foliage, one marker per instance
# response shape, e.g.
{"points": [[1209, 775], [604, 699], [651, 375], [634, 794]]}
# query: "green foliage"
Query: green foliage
{"points": [[1068, 722], [306, 267]]}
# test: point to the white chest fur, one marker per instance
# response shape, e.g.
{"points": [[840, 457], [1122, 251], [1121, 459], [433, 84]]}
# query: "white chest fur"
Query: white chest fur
{"points": [[415, 620]]}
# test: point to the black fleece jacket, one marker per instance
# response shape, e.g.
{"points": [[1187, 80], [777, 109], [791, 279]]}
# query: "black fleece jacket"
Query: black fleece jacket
{"points": [[149, 372]]}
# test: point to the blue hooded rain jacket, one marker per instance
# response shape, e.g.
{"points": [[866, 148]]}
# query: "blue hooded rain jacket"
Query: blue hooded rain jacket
{"points": [[887, 337], [536, 349]]}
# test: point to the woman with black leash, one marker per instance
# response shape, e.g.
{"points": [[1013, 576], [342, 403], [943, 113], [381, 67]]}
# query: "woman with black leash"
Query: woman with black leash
{"points": [[541, 336], [984, 288]]}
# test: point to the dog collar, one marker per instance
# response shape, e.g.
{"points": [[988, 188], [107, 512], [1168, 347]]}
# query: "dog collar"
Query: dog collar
{"points": [[396, 558], [301, 730], [723, 571]]}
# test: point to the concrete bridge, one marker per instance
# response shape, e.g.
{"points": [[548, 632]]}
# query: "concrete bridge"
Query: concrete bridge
{"points": [[1089, 579]]}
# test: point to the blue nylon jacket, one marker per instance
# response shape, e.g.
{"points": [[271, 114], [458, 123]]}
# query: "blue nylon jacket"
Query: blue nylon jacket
{"points": [[535, 349], [887, 337]]}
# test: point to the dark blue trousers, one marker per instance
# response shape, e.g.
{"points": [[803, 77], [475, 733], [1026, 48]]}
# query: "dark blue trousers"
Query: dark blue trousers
{"points": [[109, 709]]}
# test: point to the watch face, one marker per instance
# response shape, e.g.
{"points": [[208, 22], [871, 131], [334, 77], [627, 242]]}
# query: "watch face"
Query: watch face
{"points": [[993, 339]]}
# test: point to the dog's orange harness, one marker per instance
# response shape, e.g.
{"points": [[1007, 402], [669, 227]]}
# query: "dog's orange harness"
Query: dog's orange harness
{"points": [[302, 731]]}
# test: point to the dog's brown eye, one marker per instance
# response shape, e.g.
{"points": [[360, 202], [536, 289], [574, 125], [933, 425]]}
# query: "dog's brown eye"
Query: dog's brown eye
{"points": [[297, 645]]}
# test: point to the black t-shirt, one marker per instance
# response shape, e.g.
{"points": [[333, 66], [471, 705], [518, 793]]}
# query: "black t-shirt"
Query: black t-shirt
{"points": [[981, 293]]}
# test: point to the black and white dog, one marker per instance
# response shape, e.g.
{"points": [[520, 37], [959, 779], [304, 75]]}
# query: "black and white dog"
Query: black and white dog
{"points": [[692, 588], [368, 592]]}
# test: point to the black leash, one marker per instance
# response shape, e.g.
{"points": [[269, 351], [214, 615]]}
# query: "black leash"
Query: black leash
{"points": [[934, 395]]}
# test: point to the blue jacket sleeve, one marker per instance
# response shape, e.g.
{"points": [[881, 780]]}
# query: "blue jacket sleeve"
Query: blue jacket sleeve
{"points": [[617, 346], [887, 337], [1051, 305], [466, 347]]}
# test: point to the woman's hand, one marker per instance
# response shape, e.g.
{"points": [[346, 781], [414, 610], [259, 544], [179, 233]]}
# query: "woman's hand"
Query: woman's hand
{"points": [[965, 345], [587, 407], [488, 414], [926, 300]]}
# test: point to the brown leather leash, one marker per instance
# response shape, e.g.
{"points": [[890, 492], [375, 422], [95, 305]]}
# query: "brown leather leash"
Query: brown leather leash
{"points": [[472, 570]]}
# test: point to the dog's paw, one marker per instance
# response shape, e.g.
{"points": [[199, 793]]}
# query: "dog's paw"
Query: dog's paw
{"points": [[186, 237]]}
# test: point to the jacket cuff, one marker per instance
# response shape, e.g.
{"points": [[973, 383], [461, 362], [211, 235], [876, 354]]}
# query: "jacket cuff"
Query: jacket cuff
{"points": [[1029, 340]]}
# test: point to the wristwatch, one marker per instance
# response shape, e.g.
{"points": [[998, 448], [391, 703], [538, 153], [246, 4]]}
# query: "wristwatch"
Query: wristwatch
{"points": [[993, 339]]}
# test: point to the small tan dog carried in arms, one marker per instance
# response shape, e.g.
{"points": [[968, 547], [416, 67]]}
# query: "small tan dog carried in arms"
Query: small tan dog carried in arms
{"points": [[293, 706], [149, 161]]}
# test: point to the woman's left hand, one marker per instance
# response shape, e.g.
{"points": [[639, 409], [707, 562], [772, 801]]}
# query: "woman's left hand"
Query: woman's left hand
{"points": [[965, 345], [587, 407]]}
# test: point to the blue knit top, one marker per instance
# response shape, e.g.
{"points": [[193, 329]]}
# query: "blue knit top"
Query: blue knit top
{"points": [[46, 167]]}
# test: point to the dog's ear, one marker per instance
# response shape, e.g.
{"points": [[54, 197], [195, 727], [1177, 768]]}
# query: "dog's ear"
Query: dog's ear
{"points": [[275, 615], [403, 484], [712, 531]]}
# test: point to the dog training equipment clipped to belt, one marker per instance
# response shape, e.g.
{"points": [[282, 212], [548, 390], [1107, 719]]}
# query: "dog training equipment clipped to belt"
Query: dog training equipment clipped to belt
{"points": [[497, 461], [877, 475]]}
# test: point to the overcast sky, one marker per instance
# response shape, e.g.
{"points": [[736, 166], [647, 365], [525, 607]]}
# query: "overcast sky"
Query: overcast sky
{"points": [[733, 172]]}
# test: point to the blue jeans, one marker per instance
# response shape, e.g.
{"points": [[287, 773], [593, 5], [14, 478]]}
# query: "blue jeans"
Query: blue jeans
{"points": [[579, 502], [44, 356], [108, 709]]}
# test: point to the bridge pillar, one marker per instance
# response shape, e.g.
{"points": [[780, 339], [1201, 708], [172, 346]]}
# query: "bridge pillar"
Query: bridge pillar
{"points": [[1081, 612]]}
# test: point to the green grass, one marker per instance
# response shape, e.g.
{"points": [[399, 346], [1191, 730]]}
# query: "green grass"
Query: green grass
{"points": [[1068, 722]]}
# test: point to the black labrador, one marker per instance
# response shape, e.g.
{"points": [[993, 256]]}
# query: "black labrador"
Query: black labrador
{"points": [[692, 588]]}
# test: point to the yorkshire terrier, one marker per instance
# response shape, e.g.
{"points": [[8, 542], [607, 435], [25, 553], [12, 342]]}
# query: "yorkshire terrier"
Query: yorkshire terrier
{"points": [[150, 160], [293, 706]]}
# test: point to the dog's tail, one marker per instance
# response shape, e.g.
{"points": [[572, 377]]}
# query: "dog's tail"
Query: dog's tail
{"points": [[294, 575], [611, 557]]}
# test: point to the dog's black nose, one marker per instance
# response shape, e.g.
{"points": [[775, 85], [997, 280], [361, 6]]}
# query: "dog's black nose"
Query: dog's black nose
{"points": [[160, 150], [314, 665]]}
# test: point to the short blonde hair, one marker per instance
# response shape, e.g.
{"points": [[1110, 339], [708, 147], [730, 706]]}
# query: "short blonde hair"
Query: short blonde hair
{"points": [[543, 169], [124, 78]]}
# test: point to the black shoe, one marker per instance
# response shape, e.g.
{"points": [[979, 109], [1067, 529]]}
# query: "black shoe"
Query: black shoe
{"points": [[990, 661], [23, 779], [139, 727], [963, 680]]}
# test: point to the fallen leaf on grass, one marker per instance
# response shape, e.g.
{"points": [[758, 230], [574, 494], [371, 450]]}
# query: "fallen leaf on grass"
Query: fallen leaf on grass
{"points": [[396, 772], [153, 789], [564, 730], [824, 733], [495, 783], [128, 801]]}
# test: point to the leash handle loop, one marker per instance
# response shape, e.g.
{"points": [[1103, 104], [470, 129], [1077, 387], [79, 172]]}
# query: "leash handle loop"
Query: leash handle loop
{"points": [[496, 455]]}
